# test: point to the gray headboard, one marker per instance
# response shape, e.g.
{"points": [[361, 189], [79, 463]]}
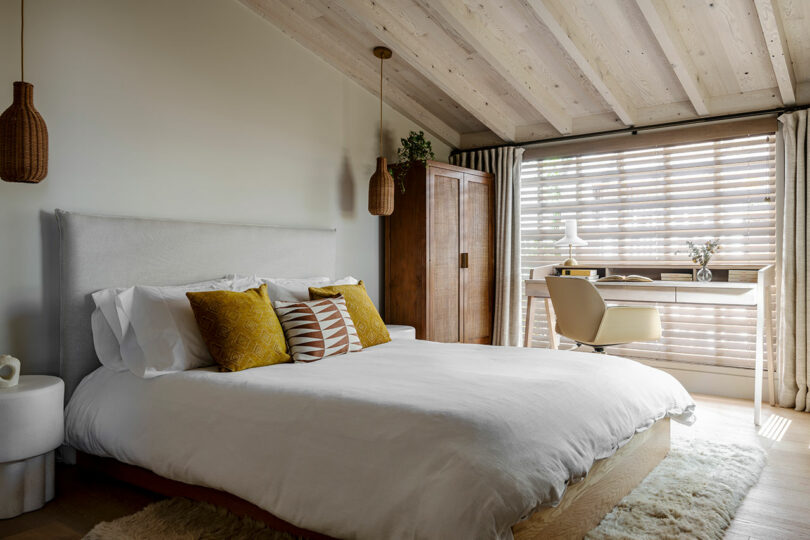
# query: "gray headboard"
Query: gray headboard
{"points": [[99, 252]]}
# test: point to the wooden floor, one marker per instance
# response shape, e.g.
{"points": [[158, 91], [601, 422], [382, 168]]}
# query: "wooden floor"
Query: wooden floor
{"points": [[777, 508], [80, 503]]}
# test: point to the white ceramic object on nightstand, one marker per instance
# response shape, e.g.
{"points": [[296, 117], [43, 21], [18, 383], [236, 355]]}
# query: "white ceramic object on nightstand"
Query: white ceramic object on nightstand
{"points": [[31, 428], [9, 371], [400, 331]]}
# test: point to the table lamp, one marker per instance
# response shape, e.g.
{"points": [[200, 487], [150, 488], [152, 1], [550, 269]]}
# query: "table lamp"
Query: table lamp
{"points": [[570, 239]]}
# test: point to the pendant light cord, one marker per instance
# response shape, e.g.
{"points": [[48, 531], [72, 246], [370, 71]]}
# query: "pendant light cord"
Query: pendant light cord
{"points": [[381, 108], [22, 41]]}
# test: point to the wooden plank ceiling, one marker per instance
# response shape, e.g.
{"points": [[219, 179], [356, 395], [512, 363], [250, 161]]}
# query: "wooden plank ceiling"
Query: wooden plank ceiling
{"points": [[477, 72]]}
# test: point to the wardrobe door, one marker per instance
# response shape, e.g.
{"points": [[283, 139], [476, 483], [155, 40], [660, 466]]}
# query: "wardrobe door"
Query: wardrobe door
{"points": [[478, 243], [443, 285]]}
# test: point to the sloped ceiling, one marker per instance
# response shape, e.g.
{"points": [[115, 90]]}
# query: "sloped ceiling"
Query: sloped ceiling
{"points": [[476, 73]]}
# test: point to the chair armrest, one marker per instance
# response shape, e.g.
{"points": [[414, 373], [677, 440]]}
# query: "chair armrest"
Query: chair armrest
{"points": [[626, 324]]}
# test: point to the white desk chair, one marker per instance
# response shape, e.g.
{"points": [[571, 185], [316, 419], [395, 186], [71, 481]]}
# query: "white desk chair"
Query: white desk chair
{"points": [[583, 316]]}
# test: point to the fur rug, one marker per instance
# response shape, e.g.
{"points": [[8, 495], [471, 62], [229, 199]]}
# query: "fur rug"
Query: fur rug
{"points": [[182, 519], [693, 493]]}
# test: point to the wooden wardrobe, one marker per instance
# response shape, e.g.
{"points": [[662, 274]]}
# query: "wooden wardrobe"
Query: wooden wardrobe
{"points": [[440, 254]]}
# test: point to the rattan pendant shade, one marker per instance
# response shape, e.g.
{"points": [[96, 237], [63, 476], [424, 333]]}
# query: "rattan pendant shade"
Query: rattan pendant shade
{"points": [[23, 139], [23, 133], [381, 190], [381, 184]]}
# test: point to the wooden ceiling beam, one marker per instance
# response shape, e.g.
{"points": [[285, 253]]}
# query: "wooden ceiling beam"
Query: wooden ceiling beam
{"points": [[580, 54], [778, 50], [663, 28], [308, 34], [437, 66], [646, 116], [506, 56]]}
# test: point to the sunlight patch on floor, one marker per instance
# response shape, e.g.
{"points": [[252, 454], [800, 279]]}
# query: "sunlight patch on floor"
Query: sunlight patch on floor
{"points": [[775, 427]]}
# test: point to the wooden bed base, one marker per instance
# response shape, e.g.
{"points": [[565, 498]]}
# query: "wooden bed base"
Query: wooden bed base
{"points": [[581, 509], [585, 503]]}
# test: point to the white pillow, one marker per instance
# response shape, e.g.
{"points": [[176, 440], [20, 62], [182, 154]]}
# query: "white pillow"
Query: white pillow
{"points": [[106, 345], [242, 283], [107, 329], [297, 290], [112, 329], [348, 280], [159, 331], [293, 289]]}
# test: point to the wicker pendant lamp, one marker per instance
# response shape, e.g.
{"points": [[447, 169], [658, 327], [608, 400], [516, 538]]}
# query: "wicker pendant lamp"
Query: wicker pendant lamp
{"points": [[381, 185], [23, 133]]}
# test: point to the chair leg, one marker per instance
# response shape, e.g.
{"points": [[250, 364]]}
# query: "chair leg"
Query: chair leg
{"points": [[598, 350]]}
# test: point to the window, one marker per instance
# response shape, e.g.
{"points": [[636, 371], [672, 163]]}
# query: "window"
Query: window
{"points": [[642, 206]]}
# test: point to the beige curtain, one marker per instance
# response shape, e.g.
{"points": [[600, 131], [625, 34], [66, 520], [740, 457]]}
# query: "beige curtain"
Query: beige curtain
{"points": [[504, 163], [794, 271]]}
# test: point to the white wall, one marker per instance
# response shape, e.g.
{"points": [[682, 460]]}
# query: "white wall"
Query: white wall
{"points": [[714, 380], [187, 109]]}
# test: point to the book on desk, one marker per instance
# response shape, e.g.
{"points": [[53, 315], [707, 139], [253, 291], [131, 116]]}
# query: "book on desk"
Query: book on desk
{"points": [[584, 273]]}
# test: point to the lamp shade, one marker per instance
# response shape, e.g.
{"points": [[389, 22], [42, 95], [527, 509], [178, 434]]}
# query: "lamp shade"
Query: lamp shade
{"points": [[570, 238], [23, 139], [381, 190]]}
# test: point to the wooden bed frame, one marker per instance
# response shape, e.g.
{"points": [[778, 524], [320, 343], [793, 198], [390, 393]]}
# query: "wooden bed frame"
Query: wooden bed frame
{"points": [[582, 508], [585, 503]]}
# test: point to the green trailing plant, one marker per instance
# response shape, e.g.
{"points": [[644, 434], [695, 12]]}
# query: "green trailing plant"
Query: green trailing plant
{"points": [[701, 254], [414, 149]]}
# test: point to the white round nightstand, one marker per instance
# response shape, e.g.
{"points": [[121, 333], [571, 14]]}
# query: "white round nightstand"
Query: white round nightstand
{"points": [[401, 331], [32, 426]]}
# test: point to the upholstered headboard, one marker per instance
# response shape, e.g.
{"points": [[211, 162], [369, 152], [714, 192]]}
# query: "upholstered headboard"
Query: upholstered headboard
{"points": [[99, 252]]}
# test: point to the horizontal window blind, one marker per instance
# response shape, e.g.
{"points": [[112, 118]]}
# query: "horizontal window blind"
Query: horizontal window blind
{"points": [[642, 206]]}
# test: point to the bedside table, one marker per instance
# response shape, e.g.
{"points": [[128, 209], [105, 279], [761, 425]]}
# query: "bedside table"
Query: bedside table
{"points": [[32, 426], [401, 331]]}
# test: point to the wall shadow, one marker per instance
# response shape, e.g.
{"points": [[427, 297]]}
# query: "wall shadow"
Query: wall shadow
{"points": [[34, 329], [50, 290], [346, 187]]}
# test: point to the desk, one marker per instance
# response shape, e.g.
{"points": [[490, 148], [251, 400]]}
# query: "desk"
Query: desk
{"points": [[677, 292]]}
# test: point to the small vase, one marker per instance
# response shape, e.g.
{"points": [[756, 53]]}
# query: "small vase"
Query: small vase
{"points": [[704, 274], [9, 371]]}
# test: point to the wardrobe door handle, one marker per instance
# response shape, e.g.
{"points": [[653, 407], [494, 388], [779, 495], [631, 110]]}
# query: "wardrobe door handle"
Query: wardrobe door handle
{"points": [[465, 260]]}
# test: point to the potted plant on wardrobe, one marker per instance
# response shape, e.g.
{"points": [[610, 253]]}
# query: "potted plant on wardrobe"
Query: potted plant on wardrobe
{"points": [[412, 150]]}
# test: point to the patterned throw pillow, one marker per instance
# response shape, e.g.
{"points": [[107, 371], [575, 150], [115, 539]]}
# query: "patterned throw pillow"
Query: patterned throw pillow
{"points": [[366, 318], [240, 329], [318, 328]]}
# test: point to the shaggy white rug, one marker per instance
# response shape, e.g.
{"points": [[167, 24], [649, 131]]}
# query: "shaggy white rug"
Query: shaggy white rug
{"points": [[693, 493], [182, 519]]}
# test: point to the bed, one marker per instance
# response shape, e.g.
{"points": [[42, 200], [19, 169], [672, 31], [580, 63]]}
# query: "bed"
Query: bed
{"points": [[409, 439]]}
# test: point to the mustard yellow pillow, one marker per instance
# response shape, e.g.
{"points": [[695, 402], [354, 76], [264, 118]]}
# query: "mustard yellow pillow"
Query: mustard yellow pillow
{"points": [[370, 326], [240, 329]]}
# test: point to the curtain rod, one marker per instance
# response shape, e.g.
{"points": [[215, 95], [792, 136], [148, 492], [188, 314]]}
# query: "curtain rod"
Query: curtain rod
{"points": [[635, 130]]}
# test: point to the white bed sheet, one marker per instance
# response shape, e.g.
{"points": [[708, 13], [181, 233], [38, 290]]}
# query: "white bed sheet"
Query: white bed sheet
{"points": [[410, 439]]}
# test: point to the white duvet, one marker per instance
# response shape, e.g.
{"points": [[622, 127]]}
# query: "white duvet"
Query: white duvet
{"points": [[410, 439]]}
